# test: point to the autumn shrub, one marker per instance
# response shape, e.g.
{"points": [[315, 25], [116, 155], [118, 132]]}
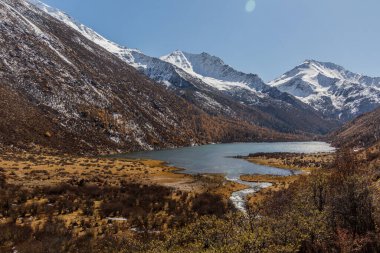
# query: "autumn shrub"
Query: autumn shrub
{"points": [[209, 204], [2, 179], [12, 234], [335, 209]]}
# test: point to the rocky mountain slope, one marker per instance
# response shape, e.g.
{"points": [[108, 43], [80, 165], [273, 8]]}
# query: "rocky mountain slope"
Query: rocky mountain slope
{"points": [[63, 91], [218, 89], [364, 131], [331, 89]]}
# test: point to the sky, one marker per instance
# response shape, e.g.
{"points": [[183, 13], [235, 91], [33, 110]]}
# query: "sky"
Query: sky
{"points": [[265, 37]]}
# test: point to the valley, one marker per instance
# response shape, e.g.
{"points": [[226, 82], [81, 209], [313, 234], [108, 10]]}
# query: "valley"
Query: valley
{"points": [[104, 148], [137, 204]]}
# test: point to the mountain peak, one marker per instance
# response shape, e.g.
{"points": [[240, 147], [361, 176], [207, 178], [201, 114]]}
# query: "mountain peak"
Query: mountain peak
{"points": [[183, 59], [178, 59], [309, 61], [328, 65], [205, 57], [177, 52], [330, 88]]}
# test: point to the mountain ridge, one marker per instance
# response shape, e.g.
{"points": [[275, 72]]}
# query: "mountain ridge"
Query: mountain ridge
{"points": [[362, 132], [331, 89], [64, 92], [235, 95], [332, 104]]}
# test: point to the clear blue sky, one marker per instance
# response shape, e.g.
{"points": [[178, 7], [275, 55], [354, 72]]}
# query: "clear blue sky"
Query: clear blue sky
{"points": [[273, 38]]}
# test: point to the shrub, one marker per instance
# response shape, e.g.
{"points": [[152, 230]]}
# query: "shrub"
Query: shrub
{"points": [[209, 204]]}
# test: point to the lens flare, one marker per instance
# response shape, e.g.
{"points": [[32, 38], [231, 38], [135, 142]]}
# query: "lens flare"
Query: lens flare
{"points": [[250, 6]]}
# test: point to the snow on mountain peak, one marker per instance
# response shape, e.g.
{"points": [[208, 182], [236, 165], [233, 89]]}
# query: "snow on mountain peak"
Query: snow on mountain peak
{"points": [[330, 88], [178, 59], [213, 71], [202, 79], [210, 69], [325, 86], [122, 52]]}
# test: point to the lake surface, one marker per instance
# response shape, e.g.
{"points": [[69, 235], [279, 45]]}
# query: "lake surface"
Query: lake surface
{"points": [[218, 158]]}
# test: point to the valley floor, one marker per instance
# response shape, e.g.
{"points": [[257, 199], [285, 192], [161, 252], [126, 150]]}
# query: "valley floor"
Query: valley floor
{"points": [[66, 203], [31, 172], [39, 181]]}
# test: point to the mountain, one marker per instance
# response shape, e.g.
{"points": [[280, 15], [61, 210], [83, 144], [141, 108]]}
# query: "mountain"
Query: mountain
{"points": [[60, 90], [285, 112], [331, 89], [363, 131], [216, 88], [214, 72]]}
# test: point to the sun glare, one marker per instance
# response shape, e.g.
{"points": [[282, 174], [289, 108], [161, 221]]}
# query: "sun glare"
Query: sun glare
{"points": [[250, 5]]}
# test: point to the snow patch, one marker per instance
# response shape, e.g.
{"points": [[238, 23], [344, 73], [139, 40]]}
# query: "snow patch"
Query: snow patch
{"points": [[37, 31]]}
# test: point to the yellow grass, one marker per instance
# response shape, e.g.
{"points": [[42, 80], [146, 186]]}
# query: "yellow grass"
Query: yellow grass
{"points": [[283, 162], [30, 171]]}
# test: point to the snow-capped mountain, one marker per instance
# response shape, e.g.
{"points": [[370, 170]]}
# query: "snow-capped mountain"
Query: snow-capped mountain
{"points": [[213, 86], [213, 71], [121, 52], [210, 69], [331, 89], [63, 88]]}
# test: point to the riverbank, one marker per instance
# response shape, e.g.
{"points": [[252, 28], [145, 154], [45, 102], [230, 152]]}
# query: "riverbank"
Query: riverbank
{"points": [[32, 170], [305, 163], [278, 183], [301, 164]]}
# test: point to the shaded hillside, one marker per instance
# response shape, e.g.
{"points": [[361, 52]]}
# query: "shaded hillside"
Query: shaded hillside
{"points": [[62, 91], [364, 131]]}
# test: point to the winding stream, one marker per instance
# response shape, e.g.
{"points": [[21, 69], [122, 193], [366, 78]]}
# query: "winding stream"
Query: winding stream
{"points": [[238, 198], [219, 159]]}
